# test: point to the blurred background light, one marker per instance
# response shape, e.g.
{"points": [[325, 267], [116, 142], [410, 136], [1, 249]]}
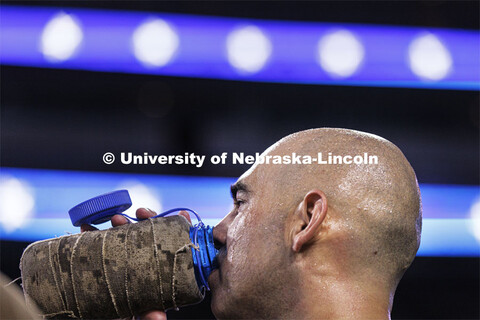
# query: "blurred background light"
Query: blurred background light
{"points": [[16, 203], [262, 50], [429, 58], [340, 53], [154, 43], [475, 216], [140, 193], [447, 224], [61, 37], [248, 49]]}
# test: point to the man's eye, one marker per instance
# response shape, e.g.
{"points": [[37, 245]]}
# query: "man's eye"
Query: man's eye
{"points": [[239, 202]]}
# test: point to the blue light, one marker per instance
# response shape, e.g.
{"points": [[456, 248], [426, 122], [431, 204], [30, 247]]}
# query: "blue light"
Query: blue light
{"points": [[448, 227], [448, 238], [284, 52]]}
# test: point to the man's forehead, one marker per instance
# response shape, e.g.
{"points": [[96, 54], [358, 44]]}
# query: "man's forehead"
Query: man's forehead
{"points": [[253, 170], [246, 181], [248, 173]]}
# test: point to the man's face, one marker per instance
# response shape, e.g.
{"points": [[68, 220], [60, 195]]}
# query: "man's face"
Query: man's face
{"points": [[252, 257]]}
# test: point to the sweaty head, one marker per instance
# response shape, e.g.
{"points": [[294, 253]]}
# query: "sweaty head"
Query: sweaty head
{"points": [[341, 221]]}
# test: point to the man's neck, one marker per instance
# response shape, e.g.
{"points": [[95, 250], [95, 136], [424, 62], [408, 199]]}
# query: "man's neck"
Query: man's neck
{"points": [[341, 300]]}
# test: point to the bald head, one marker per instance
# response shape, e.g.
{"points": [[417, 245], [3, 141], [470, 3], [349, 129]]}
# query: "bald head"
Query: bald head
{"points": [[376, 204]]}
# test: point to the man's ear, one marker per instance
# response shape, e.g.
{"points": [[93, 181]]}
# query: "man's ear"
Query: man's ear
{"points": [[310, 214]]}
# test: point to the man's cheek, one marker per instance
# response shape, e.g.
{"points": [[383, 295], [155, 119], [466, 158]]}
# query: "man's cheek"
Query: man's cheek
{"points": [[235, 241]]}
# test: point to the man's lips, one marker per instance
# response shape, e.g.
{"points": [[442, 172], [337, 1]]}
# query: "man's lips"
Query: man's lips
{"points": [[220, 257], [217, 262]]}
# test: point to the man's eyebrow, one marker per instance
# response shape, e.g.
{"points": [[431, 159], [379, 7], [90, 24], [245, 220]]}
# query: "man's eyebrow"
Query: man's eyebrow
{"points": [[238, 186]]}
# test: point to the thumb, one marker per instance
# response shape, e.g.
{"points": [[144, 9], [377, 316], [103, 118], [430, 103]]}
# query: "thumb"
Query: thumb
{"points": [[154, 315], [86, 227]]}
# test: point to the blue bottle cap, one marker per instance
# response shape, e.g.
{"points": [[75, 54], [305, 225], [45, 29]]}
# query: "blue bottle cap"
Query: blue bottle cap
{"points": [[99, 209]]}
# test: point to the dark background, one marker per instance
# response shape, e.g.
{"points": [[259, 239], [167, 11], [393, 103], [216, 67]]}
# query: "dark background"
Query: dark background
{"points": [[62, 119]]}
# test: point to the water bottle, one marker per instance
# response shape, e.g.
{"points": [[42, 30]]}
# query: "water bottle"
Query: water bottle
{"points": [[159, 263]]}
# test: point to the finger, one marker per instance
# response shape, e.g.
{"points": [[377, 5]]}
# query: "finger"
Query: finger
{"points": [[86, 227], [118, 220], [185, 214], [154, 315], [145, 213]]}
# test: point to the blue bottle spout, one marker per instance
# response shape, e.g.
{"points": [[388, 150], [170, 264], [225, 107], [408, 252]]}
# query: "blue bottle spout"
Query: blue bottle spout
{"points": [[203, 253]]}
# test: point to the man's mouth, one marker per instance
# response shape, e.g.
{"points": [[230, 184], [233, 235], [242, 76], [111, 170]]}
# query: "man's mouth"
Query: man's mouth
{"points": [[217, 265], [219, 258], [222, 253]]}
